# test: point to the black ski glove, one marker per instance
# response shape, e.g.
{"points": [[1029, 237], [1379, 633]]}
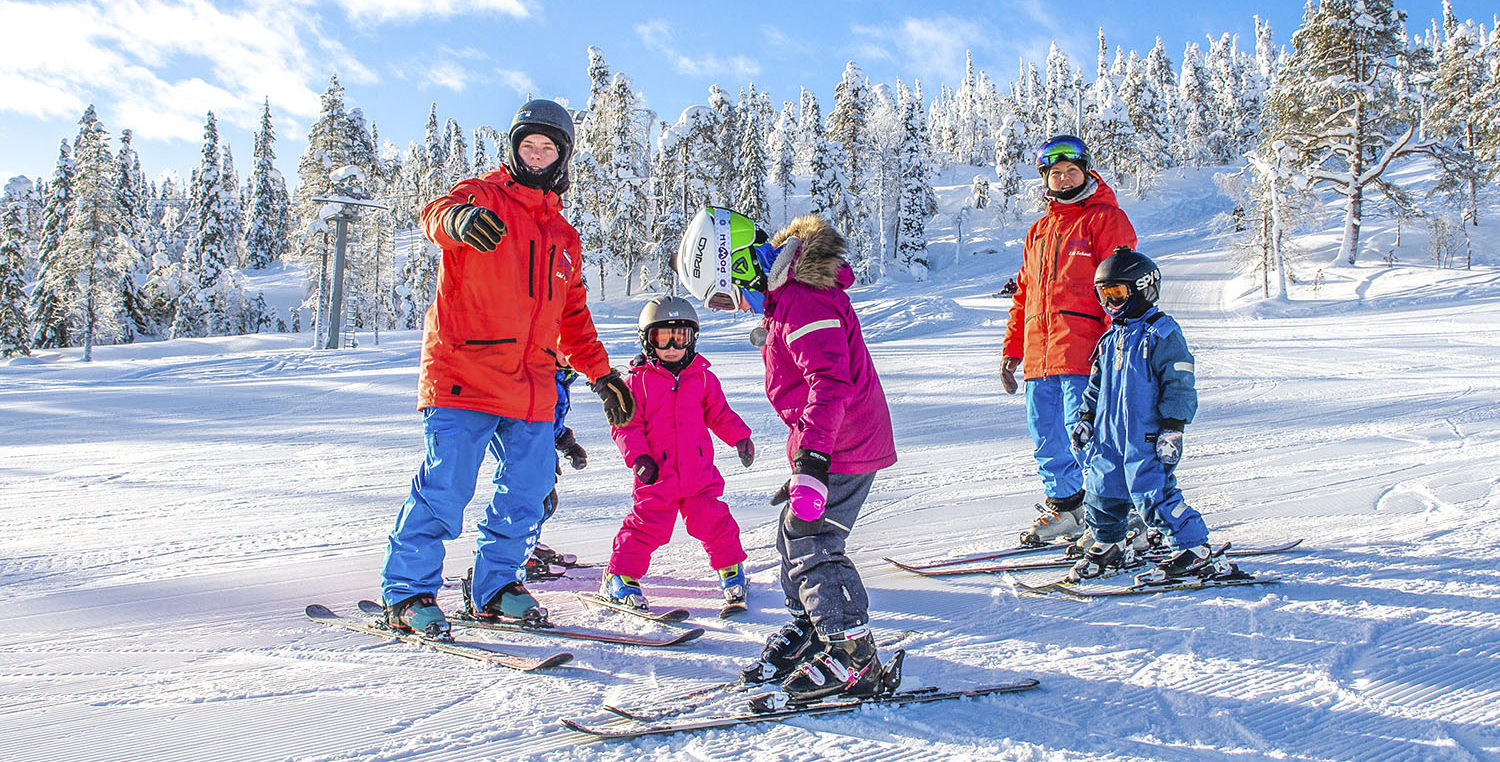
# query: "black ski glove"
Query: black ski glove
{"points": [[746, 449], [645, 469], [568, 445], [619, 403], [474, 225]]}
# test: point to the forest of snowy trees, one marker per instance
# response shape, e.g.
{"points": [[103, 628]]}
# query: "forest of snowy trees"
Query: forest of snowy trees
{"points": [[96, 254]]}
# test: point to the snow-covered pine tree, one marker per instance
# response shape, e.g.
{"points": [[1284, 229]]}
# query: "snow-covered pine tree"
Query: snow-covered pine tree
{"points": [[1199, 141], [234, 208], [668, 188], [750, 195], [782, 150], [1149, 119], [809, 131], [94, 243], [133, 196], [848, 125], [458, 166], [1060, 103], [435, 182], [970, 130], [724, 162], [1463, 95], [826, 188], [884, 194], [1336, 102], [55, 276], [15, 327], [628, 223], [266, 240], [1011, 158], [911, 227], [211, 251], [482, 161]]}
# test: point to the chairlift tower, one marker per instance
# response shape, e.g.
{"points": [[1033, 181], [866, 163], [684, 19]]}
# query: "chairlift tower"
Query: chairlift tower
{"points": [[341, 209]]}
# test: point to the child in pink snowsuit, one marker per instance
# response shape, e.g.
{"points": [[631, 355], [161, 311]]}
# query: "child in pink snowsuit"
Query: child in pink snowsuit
{"points": [[668, 448]]}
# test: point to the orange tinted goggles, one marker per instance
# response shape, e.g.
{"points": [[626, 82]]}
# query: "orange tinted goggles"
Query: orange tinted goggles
{"points": [[670, 338], [1114, 292]]}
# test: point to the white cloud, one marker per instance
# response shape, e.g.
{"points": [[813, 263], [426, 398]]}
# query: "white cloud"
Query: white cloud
{"points": [[518, 81], [447, 74], [402, 11], [659, 37], [157, 66]]}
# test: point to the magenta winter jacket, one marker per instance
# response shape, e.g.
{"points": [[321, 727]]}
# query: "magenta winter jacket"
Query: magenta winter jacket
{"points": [[673, 417], [819, 375]]}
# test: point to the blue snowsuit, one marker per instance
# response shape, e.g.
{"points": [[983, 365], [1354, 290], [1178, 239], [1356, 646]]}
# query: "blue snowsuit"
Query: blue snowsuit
{"points": [[565, 378], [1142, 375]]}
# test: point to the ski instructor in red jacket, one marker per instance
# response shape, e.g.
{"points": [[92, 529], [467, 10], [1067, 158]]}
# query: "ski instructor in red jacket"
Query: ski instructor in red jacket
{"points": [[510, 306], [1055, 322]]}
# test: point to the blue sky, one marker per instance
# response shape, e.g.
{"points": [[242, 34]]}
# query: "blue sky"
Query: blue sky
{"points": [[156, 66]]}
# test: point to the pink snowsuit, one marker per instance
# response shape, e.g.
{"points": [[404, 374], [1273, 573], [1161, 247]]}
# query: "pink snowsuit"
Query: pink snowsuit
{"points": [[673, 417]]}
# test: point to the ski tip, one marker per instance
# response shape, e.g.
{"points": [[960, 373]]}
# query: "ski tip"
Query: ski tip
{"points": [[319, 611], [555, 660], [674, 616], [693, 634], [371, 607]]}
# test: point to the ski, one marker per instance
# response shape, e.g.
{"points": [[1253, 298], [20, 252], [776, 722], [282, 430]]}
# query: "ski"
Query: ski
{"points": [[732, 609], [1064, 563], [900, 698], [1111, 592], [987, 556], [673, 616], [679, 703], [467, 649], [464, 619]]}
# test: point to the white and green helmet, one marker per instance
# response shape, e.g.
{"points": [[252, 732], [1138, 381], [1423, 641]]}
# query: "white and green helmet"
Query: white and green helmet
{"points": [[721, 255]]}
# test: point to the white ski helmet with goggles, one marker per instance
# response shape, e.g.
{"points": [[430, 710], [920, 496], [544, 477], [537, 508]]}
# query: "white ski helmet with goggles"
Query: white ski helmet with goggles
{"points": [[724, 259], [667, 312]]}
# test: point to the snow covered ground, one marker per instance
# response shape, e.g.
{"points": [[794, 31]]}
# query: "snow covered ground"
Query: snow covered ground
{"points": [[172, 507]]}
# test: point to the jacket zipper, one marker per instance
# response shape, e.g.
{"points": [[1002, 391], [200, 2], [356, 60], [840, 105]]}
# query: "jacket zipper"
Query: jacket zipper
{"points": [[551, 262]]}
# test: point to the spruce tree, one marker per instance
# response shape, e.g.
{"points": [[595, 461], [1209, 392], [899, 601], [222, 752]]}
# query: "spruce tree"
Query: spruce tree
{"points": [[783, 156], [267, 239], [15, 328], [55, 276], [94, 243], [911, 231], [1462, 97]]}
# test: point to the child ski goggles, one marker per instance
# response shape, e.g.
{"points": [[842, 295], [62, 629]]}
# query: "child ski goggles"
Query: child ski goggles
{"points": [[1114, 293], [676, 337]]}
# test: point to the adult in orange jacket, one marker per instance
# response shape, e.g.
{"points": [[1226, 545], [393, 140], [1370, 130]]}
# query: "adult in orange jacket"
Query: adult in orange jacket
{"points": [[510, 303], [1055, 322]]}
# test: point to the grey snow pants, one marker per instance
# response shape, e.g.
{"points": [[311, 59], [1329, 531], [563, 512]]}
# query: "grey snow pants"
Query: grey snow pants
{"points": [[816, 576]]}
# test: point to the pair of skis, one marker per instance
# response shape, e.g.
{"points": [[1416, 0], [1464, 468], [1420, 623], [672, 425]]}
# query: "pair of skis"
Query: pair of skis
{"points": [[646, 723], [468, 649], [465, 619], [957, 566]]}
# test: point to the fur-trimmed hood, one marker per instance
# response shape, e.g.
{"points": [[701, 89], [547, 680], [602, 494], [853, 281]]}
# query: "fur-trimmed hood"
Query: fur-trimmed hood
{"points": [[816, 259]]}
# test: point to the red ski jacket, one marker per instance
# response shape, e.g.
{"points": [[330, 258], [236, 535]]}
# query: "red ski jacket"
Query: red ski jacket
{"points": [[1055, 318], [492, 338]]}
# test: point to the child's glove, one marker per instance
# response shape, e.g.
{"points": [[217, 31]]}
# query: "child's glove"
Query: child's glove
{"points": [[746, 449], [1008, 374], [1169, 447], [645, 469], [1082, 434], [807, 490], [474, 225], [568, 445], [619, 403]]}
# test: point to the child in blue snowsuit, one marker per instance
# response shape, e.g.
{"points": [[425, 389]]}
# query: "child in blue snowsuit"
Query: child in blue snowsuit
{"points": [[539, 566], [1140, 396]]}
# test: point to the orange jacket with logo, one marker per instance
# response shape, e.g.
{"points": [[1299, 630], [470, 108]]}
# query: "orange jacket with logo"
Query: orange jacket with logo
{"points": [[1055, 318], [491, 339]]}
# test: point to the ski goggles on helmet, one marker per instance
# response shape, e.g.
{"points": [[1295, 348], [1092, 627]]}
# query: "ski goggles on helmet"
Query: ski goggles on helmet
{"points": [[671, 337], [1115, 293], [1061, 149]]}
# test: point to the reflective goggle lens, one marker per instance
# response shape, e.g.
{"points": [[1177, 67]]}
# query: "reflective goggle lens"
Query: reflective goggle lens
{"points": [[670, 338], [1114, 292], [1062, 150]]}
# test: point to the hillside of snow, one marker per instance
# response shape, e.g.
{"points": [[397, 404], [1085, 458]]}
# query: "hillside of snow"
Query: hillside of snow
{"points": [[171, 508]]}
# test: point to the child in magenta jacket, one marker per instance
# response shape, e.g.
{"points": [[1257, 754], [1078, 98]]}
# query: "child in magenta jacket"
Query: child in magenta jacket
{"points": [[668, 448]]}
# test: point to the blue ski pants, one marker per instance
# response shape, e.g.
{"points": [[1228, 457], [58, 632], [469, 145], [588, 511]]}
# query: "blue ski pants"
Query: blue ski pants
{"points": [[1109, 517], [457, 440], [1052, 406]]}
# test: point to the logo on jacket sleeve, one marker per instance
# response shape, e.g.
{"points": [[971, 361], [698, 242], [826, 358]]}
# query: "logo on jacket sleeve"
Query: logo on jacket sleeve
{"points": [[562, 269]]}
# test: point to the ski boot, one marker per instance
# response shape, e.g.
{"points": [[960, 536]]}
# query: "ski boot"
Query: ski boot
{"points": [[847, 667], [1140, 537], [793, 644], [418, 614], [618, 588], [1101, 558], [734, 584], [513, 603], [1197, 561], [1062, 518]]}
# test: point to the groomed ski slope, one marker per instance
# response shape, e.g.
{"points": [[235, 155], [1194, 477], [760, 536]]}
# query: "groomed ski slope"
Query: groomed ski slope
{"points": [[170, 508]]}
